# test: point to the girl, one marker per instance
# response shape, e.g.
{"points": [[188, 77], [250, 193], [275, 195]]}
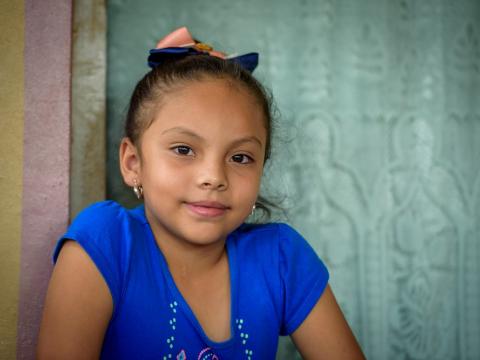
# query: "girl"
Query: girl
{"points": [[181, 277]]}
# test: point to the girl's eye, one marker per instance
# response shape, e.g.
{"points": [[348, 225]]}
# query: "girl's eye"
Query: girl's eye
{"points": [[242, 159], [183, 150]]}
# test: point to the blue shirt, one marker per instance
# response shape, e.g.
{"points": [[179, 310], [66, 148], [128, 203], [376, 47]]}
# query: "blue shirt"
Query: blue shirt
{"points": [[275, 279]]}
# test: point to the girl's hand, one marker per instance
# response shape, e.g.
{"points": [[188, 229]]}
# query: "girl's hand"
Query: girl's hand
{"points": [[78, 307], [325, 334]]}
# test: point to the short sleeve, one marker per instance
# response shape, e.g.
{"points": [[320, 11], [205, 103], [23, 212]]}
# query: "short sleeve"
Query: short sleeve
{"points": [[304, 278], [97, 230]]}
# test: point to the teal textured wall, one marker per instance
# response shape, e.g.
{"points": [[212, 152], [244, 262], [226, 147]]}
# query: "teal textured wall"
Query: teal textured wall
{"points": [[377, 154]]}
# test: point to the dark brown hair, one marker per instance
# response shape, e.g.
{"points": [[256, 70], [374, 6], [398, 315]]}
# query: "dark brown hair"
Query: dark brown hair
{"points": [[151, 90]]}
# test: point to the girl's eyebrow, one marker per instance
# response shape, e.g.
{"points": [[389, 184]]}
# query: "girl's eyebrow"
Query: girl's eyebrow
{"points": [[252, 139], [185, 131]]}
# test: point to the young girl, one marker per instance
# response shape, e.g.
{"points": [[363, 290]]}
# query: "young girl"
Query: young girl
{"points": [[182, 276]]}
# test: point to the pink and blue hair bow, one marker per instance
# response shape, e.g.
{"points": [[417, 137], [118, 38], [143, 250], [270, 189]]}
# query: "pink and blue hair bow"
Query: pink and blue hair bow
{"points": [[180, 43]]}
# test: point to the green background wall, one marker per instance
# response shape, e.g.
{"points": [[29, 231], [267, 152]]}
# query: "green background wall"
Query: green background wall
{"points": [[377, 154]]}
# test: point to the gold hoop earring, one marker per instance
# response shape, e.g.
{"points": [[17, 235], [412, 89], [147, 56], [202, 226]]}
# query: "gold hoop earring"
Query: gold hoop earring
{"points": [[137, 189]]}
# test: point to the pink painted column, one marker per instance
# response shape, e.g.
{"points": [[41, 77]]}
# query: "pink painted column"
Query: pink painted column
{"points": [[46, 156]]}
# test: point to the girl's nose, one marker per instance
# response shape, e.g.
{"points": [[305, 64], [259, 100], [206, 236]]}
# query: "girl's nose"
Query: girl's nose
{"points": [[213, 178]]}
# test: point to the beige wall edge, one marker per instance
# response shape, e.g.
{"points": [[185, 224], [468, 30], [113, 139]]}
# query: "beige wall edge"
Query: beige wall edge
{"points": [[88, 166]]}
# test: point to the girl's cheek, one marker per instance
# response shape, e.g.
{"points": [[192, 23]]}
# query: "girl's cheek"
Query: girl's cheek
{"points": [[162, 176]]}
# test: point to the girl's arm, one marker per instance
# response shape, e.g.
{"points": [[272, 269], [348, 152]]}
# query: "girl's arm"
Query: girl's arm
{"points": [[325, 334], [78, 307]]}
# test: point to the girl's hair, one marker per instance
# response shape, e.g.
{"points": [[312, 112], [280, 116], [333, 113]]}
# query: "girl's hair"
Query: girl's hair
{"points": [[151, 90]]}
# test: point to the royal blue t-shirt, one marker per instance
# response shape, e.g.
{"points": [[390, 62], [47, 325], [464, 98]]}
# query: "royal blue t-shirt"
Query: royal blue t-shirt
{"points": [[276, 279]]}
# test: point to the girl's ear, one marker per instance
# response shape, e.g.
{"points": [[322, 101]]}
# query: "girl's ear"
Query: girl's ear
{"points": [[130, 164]]}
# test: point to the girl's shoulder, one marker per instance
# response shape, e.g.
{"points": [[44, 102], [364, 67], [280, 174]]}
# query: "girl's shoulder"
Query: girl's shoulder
{"points": [[101, 210], [105, 214], [106, 231], [269, 232], [103, 227], [279, 237], [290, 266]]}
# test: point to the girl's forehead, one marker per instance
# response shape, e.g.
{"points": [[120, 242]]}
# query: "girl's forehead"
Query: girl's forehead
{"points": [[214, 97]]}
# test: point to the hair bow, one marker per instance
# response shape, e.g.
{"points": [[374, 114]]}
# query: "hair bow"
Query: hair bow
{"points": [[180, 43]]}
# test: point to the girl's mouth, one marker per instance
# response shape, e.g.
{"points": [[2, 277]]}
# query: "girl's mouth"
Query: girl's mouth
{"points": [[207, 208]]}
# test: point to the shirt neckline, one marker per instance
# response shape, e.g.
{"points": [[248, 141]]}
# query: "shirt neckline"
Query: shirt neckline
{"points": [[232, 262]]}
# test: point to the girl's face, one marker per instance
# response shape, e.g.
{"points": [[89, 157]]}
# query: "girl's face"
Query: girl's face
{"points": [[201, 162]]}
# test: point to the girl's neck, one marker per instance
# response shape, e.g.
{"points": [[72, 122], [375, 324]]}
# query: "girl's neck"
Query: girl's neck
{"points": [[191, 261]]}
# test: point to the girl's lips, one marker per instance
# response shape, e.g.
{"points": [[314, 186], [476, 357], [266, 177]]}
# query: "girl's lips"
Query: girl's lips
{"points": [[207, 208]]}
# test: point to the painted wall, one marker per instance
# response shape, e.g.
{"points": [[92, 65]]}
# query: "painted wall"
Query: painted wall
{"points": [[11, 161], [377, 154], [88, 165], [35, 41]]}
